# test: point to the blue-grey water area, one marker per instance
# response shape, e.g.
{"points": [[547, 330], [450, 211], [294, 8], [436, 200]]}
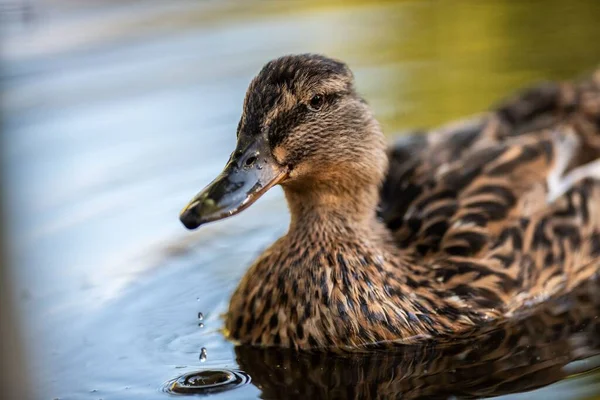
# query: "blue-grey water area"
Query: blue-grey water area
{"points": [[115, 113]]}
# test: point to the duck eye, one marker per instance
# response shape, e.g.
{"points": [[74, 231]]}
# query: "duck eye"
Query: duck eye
{"points": [[316, 102]]}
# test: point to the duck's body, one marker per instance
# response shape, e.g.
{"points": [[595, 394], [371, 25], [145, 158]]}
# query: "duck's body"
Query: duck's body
{"points": [[474, 221]]}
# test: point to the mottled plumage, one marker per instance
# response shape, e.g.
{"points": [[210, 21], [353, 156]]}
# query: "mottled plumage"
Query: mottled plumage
{"points": [[437, 235], [515, 355]]}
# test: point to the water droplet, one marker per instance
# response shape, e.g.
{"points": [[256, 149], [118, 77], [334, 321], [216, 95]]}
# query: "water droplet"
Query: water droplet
{"points": [[259, 167], [207, 382], [203, 354], [197, 298], [200, 316], [201, 325]]}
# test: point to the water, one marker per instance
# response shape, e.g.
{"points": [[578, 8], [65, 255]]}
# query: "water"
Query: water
{"points": [[116, 113]]}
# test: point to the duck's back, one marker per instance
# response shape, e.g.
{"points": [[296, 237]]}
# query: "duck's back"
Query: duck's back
{"points": [[508, 203]]}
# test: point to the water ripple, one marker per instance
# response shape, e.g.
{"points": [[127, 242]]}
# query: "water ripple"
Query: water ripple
{"points": [[206, 382]]}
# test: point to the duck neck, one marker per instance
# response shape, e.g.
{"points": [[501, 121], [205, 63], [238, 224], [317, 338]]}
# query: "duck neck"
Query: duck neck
{"points": [[338, 194], [333, 208]]}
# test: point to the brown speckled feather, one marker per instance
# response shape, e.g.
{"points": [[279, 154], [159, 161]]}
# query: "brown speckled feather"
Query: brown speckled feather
{"points": [[517, 355], [484, 192]]}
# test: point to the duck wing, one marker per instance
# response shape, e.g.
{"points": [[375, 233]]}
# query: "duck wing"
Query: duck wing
{"points": [[515, 190]]}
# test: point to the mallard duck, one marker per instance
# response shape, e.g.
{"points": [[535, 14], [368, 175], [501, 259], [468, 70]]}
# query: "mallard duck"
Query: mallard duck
{"points": [[428, 238]]}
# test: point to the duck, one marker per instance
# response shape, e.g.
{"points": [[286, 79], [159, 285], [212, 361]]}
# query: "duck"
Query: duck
{"points": [[424, 239]]}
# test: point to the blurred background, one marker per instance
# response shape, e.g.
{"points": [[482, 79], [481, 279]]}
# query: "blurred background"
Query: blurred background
{"points": [[115, 112]]}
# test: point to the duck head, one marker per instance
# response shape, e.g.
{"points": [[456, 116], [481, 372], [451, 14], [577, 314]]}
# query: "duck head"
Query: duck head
{"points": [[304, 127]]}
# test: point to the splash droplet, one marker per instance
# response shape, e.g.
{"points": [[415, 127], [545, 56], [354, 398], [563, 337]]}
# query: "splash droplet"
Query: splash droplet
{"points": [[201, 325], [200, 316], [203, 354]]}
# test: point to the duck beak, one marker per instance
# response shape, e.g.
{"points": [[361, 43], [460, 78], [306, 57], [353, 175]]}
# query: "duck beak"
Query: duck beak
{"points": [[250, 172]]}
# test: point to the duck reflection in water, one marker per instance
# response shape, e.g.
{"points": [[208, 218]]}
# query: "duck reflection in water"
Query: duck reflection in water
{"points": [[519, 355]]}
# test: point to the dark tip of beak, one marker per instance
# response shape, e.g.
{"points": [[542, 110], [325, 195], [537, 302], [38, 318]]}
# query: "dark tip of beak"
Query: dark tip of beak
{"points": [[202, 209], [189, 218]]}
